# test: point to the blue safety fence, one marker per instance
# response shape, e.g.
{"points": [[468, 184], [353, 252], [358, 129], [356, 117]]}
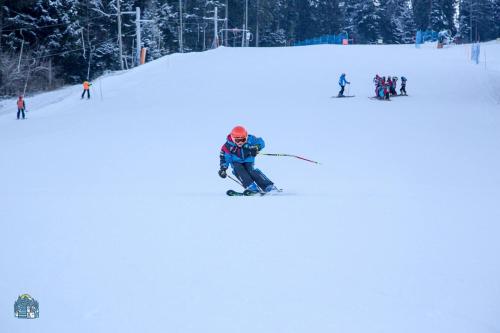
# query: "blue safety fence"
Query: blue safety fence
{"points": [[326, 39], [426, 36]]}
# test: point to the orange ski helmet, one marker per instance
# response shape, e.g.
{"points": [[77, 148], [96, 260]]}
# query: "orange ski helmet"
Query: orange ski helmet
{"points": [[239, 135]]}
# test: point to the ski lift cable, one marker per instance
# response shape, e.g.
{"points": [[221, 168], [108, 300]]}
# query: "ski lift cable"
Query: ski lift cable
{"points": [[76, 49], [47, 26]]}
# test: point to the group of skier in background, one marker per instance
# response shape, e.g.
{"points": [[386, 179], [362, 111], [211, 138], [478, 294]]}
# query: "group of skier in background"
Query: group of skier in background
{"points": [[386, 87]]}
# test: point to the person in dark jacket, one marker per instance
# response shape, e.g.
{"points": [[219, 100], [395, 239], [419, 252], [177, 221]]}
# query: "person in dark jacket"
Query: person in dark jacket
{"points": [[402, 91], [376, 80], [394, 86], [387, 87]]}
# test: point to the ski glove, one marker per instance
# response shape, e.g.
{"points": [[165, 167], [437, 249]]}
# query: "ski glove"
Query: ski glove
{"points": [[254, 150], [222, 172]]}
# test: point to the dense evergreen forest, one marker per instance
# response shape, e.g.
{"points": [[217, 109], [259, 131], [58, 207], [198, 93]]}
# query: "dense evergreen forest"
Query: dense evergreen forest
{"points": [[48, 43]]}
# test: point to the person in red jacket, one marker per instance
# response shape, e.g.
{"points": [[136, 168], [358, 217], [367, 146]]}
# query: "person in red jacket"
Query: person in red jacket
{"points": [[21, 107], [86, 89]]}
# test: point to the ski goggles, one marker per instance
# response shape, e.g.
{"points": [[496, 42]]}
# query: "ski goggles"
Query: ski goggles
{"points": [[240, 140]]}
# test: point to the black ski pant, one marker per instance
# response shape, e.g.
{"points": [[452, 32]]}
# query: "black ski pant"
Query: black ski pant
{"points": [[86, 91], [246, 173], [19, 111], [402, 90], [341, 92]]}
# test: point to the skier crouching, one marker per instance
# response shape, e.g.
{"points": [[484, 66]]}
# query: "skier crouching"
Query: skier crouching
{"points": [[239, 151]]}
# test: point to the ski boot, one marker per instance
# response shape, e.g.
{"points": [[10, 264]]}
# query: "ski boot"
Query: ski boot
{"points": [[271, 188], [253, 189]]}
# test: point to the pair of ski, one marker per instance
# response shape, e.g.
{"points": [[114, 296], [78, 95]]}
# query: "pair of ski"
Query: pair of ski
{"points": [[379, 99], [248, 193], [343, 96], [384, 99]]}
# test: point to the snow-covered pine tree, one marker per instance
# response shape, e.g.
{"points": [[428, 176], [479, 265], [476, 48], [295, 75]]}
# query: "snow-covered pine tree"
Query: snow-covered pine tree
{"points": [[441, 15], [271, 32], [478, 20], [361, 21], [289, 17], [396, 21], [497, 17], [487, 24], [99, 23], [421, 11], [326, 17], [154, 33], [302, 25], [19, 26], [13, 17], [409, 28], [63, 41]]}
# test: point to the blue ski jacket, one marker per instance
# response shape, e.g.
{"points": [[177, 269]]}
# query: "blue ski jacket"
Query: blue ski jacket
{"points": [[343, 81], [230, 152]]}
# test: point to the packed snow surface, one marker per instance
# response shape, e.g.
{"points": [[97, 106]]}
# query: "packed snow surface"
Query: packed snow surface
{"points": [[113, 217]]}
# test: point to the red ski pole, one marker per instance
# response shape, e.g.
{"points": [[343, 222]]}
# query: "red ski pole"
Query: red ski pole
{"points": [[289, 155]]}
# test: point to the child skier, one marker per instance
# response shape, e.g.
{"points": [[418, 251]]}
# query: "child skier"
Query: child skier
{"points": [[239, 151], [380, 91], [402, 91], [394, 86], [86, 87], [376, 81], [342, 83], [387, 87], [21, 107], [389, 84]]}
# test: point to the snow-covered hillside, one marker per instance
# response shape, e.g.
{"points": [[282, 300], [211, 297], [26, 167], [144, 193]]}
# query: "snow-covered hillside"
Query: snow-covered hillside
{"points": [[113, 217]]}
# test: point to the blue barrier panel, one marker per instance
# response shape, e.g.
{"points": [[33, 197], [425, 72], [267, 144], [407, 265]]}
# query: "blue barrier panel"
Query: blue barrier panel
{"points": [[325, 39], [419, 38], [426, 36]]}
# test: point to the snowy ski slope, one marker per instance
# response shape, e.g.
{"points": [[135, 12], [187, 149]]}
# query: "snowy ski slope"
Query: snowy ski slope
{"points": [[113, 217]]}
